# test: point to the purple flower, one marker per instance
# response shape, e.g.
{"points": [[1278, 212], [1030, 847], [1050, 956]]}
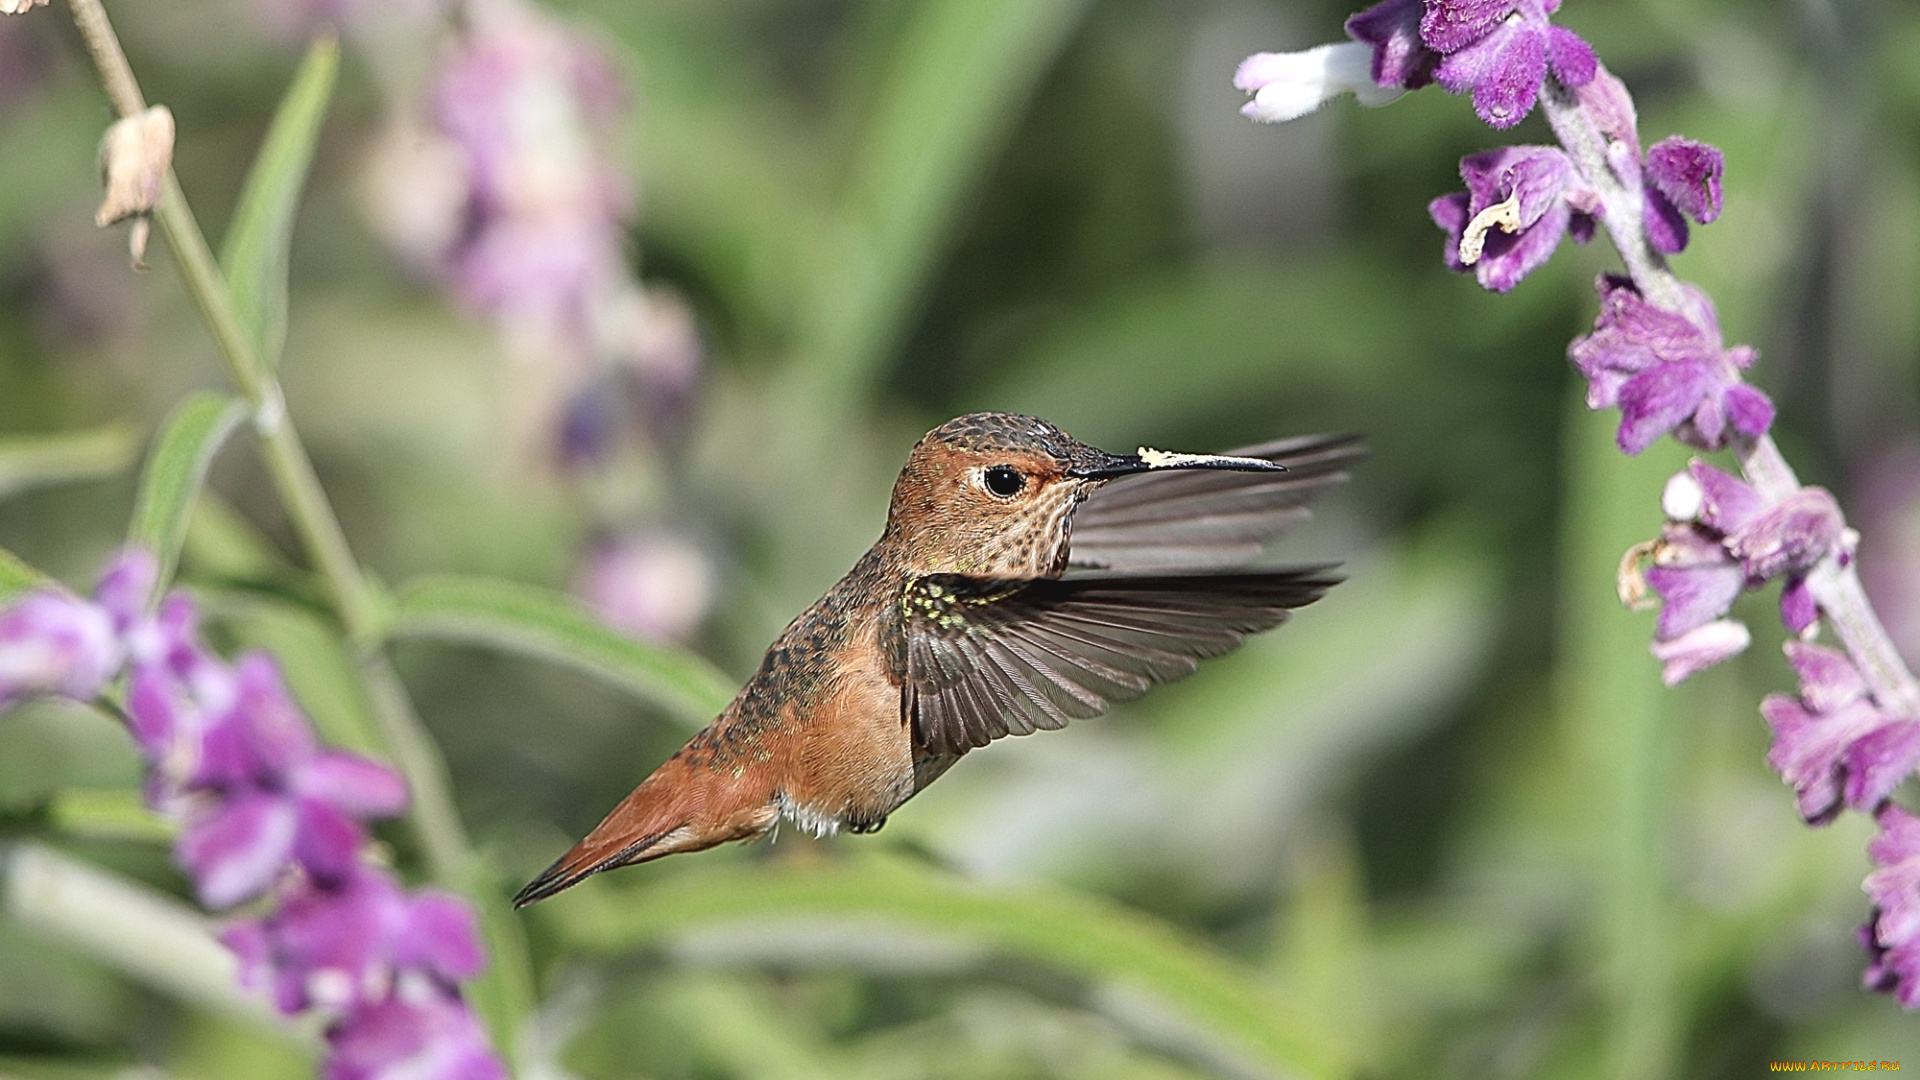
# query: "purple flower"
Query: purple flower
{"points": [[51, 642], [1699, 649], [652, 585], [1519, 202], [264, 794], [522, 101], [1685, 179], [1391, 29], [1892, 934], [342, 945], [1667, 371], [1832, 742], [1695, 576], [1286, 86], [420, 1033], [54, 642], [1501, 51]]}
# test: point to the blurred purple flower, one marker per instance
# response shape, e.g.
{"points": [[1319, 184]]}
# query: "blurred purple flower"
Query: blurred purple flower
{"points": [[1892, 933], [1700, 648], [266, 795], [524, 101], [54, 642], [1832, 743], [421, 1032], [1391, 29], [1501, 51], [261, 803], [650, 584], [1667, 371], [342, 945], [1519, 202]]}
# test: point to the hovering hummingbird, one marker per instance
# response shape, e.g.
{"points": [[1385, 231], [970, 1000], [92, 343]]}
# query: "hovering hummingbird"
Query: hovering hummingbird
{"points": [[1023, 579]]}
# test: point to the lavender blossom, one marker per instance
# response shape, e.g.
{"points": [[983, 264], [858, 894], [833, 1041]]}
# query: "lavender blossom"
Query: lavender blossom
{"points": [[1722, 538], [345, 944], [1501, 52], [52, 642], [263, 808], [1832, 742], [1667, 371], [524, 100], [1519, 202]]}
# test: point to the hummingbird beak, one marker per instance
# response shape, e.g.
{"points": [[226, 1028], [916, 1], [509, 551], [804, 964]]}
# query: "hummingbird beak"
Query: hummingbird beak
{"points": [[1150, 460]]}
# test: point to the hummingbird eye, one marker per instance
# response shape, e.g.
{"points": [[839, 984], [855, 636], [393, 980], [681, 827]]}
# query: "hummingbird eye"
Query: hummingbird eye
{"points": [[1004, 481]]}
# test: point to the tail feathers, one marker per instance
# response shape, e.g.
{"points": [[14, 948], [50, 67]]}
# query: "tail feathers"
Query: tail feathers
{"points": [[586, 859], [678, 808]]}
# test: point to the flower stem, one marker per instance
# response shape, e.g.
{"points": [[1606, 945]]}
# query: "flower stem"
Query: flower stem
{"points": [[1834, 583], [432, 816]]}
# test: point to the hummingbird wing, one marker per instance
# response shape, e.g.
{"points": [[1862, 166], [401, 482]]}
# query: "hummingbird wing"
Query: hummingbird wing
{"points": [[993, 657], [1191, 519]]}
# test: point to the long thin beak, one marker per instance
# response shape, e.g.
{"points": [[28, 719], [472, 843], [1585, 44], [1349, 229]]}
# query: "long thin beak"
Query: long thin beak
{"points": [[1150, 460]]}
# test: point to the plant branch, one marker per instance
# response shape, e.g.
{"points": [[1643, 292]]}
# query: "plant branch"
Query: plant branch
{"points": [[1834, 583], [432, 815]]}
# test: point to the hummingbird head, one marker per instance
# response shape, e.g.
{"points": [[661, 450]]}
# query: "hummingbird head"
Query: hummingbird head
{"points": [[992, 494]]}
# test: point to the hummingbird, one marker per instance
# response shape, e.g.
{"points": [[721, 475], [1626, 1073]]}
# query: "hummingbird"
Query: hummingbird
{"points": [[1023, 579]]}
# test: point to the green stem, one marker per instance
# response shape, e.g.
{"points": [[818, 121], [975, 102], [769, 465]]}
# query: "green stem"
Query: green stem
{"points": [[432, 816]]}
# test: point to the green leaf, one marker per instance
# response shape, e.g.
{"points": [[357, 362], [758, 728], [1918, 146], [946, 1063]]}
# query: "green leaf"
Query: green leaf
{"points": [[175, 470], [1128, 957], [254, 256], [16, 576], [39, 460], [540, 622]]}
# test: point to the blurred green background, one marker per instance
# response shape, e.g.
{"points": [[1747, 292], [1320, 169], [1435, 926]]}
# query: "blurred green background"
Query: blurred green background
{"points": [[1448, 815]]}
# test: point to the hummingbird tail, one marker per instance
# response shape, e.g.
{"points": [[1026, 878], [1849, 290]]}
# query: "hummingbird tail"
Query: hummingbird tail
{"points": [[678, 808]]}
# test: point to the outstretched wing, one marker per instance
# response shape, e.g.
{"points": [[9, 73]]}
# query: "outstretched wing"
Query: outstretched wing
{"points": [[987, 658], [1193, 519]]}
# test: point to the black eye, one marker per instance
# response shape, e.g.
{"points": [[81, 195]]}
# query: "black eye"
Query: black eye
{"points": [[1005, 481]]}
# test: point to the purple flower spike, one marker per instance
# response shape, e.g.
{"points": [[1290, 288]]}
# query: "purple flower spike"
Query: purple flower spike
{"points": [[1501, 52], [1392, 30], [1667, 372], [1832, 742], [1519, 202], [1892, 935]]}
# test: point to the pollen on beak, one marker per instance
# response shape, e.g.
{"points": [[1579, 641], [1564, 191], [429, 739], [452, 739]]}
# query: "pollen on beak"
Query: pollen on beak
{"points": [[1148, 459]]}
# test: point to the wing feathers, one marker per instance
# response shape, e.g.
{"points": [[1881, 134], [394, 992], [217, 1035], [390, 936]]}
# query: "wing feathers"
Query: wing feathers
{"points": [[996, 658]]}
